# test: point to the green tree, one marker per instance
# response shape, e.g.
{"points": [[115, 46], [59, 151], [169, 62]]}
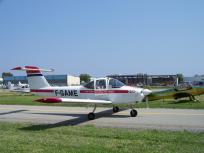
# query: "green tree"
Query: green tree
{"points": [[180, 77], [6, 74], [85, 78]]}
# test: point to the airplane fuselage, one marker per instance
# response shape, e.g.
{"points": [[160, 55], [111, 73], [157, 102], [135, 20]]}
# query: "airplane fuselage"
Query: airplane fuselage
{"points": [[124, 94]]}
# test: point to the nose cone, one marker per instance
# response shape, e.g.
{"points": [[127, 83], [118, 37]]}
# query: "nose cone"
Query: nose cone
{"points": [[146, 92]]}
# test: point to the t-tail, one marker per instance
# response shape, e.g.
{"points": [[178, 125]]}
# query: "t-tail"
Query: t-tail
{"points": [[36, 80]]}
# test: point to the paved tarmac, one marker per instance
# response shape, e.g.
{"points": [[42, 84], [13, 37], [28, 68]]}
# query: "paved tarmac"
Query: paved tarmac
{"points": [[51, 116]]}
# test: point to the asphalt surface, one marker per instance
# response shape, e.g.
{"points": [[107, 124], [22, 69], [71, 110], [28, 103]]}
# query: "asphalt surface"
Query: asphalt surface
{"points": [[51, 117]]}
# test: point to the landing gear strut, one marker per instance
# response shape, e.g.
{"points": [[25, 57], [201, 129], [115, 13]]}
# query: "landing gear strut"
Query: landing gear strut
{"points": [[91, 116], [133, 113], [192, 98], [115, 109]]}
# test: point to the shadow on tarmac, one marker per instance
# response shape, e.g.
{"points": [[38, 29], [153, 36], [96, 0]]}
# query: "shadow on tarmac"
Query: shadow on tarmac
{"points": [[80, 118], [12, 112]]}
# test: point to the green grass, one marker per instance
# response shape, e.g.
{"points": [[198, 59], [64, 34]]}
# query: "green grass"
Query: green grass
{"points": [[13, 98], [169, 103], [24, 138]]}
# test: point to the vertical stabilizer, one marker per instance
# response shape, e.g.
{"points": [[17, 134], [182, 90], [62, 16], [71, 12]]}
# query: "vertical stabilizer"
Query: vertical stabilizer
{"points": [[36, 80]]}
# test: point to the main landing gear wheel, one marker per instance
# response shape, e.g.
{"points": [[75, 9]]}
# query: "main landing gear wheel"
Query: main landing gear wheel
{"points": [[133, 113], [115, 109], [91, 116]]}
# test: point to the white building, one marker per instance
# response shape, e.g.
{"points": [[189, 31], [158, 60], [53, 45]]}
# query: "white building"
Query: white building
{"points": [[73, 80]]}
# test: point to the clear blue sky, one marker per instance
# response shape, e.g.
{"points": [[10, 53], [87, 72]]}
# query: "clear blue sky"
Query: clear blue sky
{"points": [[102, 37]]}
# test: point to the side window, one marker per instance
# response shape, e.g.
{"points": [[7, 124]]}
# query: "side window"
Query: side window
{"points": [[100, 84], [89, 85]]}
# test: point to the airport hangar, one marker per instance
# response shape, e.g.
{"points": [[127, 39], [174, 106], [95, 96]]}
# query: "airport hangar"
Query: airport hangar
{"points": [[146, 80]]}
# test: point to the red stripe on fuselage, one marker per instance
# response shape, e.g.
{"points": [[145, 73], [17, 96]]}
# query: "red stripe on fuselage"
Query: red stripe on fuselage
{"points": [[43, 90], [86, 91], [33, 71], [103, 91]]}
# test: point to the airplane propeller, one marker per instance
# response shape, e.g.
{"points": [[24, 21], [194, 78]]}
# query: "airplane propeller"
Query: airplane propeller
{"points": [[146, 92]]}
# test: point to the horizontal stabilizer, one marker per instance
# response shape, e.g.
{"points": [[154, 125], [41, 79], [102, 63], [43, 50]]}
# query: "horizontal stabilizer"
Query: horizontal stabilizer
{"points": [[32, 68]]}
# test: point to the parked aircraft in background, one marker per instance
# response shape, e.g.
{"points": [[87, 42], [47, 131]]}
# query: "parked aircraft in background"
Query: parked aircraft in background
{"points": [[177, 93], [19, 87], [98, 91]]}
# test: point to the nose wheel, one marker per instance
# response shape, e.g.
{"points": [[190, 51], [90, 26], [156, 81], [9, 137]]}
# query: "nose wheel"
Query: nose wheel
{"points": [[115, 109], [91, 116], [133, 113]]}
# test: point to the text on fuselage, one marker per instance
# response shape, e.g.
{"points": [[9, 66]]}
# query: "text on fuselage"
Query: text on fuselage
{"points": [[66, 93]]}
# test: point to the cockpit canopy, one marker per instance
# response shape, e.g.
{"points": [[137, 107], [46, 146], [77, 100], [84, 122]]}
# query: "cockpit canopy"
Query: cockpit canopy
{"points": [[104, 83]]}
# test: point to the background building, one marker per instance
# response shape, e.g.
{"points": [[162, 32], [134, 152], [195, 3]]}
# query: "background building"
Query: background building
{"points": [[144, 79], [54, 80], [197, 80]]}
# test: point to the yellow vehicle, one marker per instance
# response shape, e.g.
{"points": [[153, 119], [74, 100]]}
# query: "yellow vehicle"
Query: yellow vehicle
{"points": [[177, 93]]}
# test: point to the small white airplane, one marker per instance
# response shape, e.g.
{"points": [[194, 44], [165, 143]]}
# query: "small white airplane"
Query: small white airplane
{"points": [[98, 91], [19, 87]]}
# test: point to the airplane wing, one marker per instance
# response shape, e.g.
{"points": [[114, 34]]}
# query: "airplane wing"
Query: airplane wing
{"points": [[68, 100]]}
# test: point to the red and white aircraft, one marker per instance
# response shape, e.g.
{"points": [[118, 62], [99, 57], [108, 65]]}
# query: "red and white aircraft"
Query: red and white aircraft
{"points": [[98, 91]]}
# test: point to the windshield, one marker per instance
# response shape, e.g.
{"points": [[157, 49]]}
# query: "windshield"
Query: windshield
{"points": [[115, 83]]}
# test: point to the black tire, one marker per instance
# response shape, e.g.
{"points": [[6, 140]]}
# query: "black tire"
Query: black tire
{"points": [[133, 113], [115, 109], [91, 116]]}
